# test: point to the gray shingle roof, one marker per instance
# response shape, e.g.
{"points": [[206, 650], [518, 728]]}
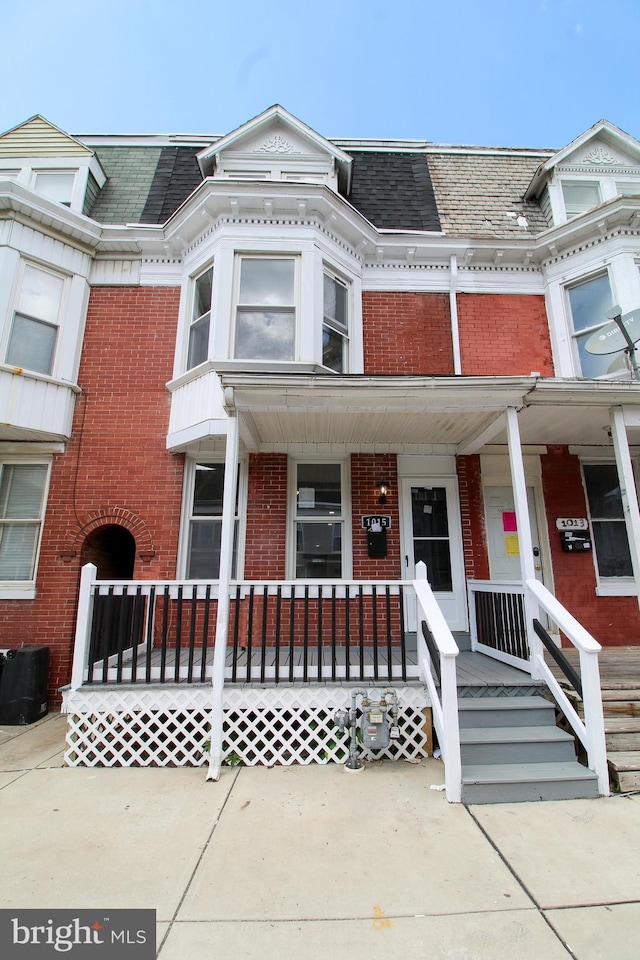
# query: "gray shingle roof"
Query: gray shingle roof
{"points": [[394, 191], [130, 172], [475, 193], [463, 192]]}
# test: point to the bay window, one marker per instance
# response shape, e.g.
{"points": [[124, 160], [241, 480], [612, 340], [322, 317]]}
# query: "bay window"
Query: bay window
{"points": [[319, 520], [198, 348], [36, 319], [266, 311], [22, 499], [610, 542], [335, 329], [589, 302]]}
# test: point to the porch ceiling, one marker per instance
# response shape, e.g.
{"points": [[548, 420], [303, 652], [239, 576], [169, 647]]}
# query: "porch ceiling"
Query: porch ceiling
{"points": [[400, 412]]}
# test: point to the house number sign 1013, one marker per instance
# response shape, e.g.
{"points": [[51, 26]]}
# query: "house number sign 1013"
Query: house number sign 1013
{"points": [[571, 523]]}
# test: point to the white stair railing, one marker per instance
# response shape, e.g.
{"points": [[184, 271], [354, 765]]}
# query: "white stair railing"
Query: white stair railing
{"points": [[444, 703], [591, 731]]}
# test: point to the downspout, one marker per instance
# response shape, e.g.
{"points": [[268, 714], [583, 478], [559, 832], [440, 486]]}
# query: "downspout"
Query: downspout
{"points": [[453, 310], [224, 581], [628, 491]]}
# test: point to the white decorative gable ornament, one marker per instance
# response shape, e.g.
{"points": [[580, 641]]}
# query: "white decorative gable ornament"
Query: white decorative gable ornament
{"points": [[277, 144], [599, 156]]}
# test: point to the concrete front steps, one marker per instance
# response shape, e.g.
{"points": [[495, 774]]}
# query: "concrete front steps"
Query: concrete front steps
{"points": [[512, 750]]}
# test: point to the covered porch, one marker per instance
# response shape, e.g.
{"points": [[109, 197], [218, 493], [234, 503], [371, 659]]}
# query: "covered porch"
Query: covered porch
{"points": [[268, 662]]}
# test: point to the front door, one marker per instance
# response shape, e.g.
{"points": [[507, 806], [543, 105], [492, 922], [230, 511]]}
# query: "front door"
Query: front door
{"points": [[432, 533], [502, 534]]}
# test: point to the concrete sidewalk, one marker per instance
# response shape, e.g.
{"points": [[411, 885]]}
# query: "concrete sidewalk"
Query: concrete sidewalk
{"points": [[312, 862]]}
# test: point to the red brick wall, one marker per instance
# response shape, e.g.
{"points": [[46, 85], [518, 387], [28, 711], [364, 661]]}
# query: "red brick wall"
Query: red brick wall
{"points": [[265, 545], [503, 335], [613, 621], [474, 541], [115, 469], [407, 333], [367, 470]]}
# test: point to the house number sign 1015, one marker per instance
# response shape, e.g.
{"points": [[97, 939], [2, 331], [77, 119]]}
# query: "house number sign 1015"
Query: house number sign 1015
{"points": [[571, 523]]}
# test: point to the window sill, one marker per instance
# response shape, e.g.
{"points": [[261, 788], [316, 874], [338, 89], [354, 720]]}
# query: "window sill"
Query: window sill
{"points": [[625, 588], [14, 592]]}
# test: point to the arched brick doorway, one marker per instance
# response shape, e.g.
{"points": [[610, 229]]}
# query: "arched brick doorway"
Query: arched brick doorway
{"points": [[113, 550], [117, 623]]}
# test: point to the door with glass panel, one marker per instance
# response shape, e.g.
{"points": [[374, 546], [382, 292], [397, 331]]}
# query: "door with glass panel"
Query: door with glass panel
{"points": [[432, 533]]}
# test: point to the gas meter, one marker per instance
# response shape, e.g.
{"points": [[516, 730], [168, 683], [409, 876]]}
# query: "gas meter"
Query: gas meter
{"points": [[378, 723]]}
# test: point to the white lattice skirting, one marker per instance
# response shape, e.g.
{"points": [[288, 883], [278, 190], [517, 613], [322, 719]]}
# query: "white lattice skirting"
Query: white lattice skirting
{"points": [[266, 726]]}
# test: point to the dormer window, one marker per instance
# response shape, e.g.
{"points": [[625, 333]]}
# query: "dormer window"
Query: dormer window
{"points": [[55, 186], [200, 320], [266, 309], [579, 196]]}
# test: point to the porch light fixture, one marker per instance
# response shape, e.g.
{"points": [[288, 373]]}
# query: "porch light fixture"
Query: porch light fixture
{"points": [[383, 489]]}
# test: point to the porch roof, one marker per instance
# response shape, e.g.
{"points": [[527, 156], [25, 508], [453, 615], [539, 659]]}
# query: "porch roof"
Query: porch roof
{"points": [[455, 414]]}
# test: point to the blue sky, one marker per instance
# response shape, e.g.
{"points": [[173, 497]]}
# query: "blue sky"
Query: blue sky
{"points": [[506, 72]]}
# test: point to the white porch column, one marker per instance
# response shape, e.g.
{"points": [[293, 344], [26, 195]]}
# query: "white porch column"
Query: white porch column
{"points": [[224, 579], [525, 542], [628, 491]]}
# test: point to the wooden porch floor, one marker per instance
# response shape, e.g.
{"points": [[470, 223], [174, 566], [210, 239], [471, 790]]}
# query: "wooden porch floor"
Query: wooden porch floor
{"points": [[474, 670]]}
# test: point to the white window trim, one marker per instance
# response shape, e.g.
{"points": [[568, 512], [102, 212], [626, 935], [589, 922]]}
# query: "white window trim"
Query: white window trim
{"points": [[26, 589], [188, 482], [296, 258], [191, 286], [58, 348], [347, 548], [606, 586], [330, 271], [575, 335]]}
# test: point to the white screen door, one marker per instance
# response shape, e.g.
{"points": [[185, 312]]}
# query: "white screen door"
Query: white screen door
{"points": [[432, 533]]}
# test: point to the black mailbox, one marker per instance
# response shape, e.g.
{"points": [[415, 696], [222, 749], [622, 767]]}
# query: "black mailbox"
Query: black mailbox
{"points": [[575, 541], [377, 544]]}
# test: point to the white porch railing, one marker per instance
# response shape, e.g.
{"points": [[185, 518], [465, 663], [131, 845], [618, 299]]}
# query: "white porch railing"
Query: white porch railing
{"points": [[497, 621], [501, 625], [444, 702]]}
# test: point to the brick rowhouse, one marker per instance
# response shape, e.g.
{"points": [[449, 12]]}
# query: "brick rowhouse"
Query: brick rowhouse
{"points": [[115, 469]]}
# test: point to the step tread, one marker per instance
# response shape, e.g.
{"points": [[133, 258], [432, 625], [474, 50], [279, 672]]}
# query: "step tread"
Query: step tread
{"points": [[623, 694], [525, 772], [504, 703], [472, 735], [624, 760], [622, 724]]}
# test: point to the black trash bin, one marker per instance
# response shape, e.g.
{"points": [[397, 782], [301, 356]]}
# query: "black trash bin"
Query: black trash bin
{"points": [[23, 685]]}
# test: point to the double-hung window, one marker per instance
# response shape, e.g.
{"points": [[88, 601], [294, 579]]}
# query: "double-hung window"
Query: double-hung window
{"points": [[205, 523], [22, 498], [266, 309], [319, 521], [335, 327], [34, 330], [198, 349], [608, 525], [589, 302]]}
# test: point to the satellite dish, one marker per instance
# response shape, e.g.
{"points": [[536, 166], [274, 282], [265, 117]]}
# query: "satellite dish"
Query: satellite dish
{"points": [[610, 338]]}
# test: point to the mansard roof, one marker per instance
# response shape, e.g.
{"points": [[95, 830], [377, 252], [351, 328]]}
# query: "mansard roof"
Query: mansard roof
{"points": [[403, 186]]}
